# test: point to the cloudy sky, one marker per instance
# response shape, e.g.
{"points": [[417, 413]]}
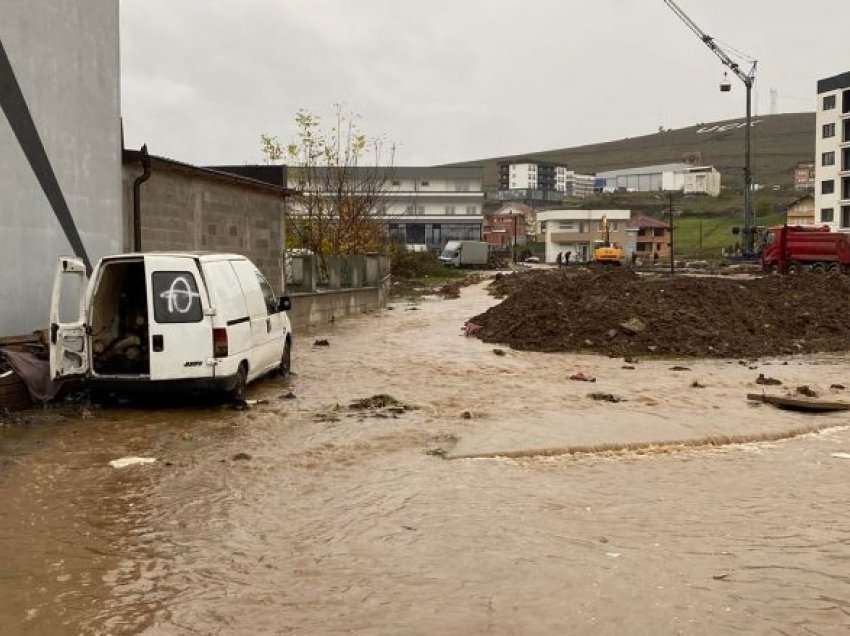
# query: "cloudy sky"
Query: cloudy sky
{"points": [[453, 80]]}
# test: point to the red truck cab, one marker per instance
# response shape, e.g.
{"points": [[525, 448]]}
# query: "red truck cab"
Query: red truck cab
{"points": [[791, 249]]}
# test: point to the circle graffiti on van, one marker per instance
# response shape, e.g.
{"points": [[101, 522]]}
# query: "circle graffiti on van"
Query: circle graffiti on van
{"points": [[180, 296]]}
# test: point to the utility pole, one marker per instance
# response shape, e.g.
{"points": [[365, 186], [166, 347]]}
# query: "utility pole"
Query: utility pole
{"points": [[672, 252], [514, 250]]}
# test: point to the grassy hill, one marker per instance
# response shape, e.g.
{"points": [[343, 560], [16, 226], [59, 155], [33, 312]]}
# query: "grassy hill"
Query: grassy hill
{"points": [[779, 142]]}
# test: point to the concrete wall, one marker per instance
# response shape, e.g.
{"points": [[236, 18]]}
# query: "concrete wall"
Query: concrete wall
{"points": [[64, 54], [190, 209], [323, 307]]}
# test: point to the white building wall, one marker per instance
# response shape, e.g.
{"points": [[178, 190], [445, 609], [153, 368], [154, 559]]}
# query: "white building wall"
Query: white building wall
{"points": [[831, 202], [64, 54]]}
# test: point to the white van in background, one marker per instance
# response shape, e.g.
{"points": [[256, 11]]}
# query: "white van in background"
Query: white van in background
{"points": [[168, 320]]}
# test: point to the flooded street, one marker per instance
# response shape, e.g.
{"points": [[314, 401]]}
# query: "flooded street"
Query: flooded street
{"points": [[304, 516]]}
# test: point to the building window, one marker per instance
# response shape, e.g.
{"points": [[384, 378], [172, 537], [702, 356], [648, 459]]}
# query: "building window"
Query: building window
{"points": [[644, 247], [658, 231], [450, 210], [472, 210], [845, 216], [827, 187], [396, 183], [828, 131], [425, 184], [827, 215], [420, 209], [829, 102], [845, 130], [845, 102], [827, 159], [845, 189], [461, 186]]}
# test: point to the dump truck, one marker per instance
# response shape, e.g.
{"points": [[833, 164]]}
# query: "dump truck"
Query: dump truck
{"points": [[465, 254], [791, 249]]}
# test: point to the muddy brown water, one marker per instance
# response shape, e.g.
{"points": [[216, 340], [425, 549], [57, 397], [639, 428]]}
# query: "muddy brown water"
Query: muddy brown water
{"points": [[341, 523]]}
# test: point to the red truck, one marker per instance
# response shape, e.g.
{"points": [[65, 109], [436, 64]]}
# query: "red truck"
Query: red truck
{"points": [[790, 249]]}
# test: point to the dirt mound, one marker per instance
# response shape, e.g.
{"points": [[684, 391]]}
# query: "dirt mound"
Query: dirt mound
{"points": [[620, 313]]}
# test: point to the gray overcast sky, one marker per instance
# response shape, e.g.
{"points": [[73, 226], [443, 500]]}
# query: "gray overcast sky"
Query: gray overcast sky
{"points": [[452, 80]]}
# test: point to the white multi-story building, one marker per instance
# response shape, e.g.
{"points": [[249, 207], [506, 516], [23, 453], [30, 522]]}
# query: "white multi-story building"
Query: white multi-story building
{"points": [[542, 181], [428, 206], [671, 176], [832, 172]]}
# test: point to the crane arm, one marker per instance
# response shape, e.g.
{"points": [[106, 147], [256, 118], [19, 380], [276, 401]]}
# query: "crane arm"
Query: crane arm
{"points": [[746, 78]]}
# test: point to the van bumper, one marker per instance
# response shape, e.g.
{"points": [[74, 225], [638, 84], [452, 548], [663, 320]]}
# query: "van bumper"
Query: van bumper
{"points": [[144, 385]]}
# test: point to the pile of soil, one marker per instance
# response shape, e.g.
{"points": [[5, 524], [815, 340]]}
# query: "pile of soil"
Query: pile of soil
{"points": [[620, 313]]}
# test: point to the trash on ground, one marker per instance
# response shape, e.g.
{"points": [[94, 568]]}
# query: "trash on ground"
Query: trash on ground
{"points": [[124, 462], [764, 380], [582, 377]]}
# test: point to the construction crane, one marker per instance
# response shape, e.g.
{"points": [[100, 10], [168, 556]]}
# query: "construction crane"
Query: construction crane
{"points": [[748, 78]]}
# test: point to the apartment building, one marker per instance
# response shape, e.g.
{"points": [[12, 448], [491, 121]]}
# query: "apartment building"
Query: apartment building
{"points": [[579, 232], [832, 153], [540, 182], [509, 225], [424, 205], [804, 176]]}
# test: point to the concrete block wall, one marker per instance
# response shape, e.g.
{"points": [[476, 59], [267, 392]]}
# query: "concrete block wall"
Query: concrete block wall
{"points": [[310, 310], [185, 211]]}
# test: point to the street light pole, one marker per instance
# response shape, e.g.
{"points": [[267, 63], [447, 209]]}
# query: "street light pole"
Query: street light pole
{"points": [[672, 253]]}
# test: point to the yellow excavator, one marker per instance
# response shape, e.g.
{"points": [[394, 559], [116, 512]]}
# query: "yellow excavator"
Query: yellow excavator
{"points": [[608, 253]]}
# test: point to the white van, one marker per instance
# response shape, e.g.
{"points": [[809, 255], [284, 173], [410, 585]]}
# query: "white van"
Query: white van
{"points": [[168, 320]]}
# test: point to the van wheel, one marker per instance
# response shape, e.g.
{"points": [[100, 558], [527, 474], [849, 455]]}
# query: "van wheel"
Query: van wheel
{"points": [[286, 359], [240, 390]]}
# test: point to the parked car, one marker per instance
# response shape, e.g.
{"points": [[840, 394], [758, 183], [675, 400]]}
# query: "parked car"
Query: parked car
{"points": [[168, 320]]}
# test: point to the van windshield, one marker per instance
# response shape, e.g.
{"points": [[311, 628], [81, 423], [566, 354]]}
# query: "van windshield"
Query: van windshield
{"points": [[449, 254]]}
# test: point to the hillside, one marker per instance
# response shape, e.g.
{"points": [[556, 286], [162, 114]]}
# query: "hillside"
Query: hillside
{"points": [[779, 142]]}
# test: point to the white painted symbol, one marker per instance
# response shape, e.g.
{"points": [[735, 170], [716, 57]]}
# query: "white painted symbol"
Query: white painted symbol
{"points": [[180, 296]]}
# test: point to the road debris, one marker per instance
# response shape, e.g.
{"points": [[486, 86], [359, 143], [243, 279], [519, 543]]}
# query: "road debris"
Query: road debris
{"points": [[466, 415], [696, 385], [764, 380], [125, 462], [241, 457], [807, 391], [322, 342], [287, 396], [841, 455], [500, 352], [628, 367], [678, 368], [837, 387], [605, 397], [806, 405]]}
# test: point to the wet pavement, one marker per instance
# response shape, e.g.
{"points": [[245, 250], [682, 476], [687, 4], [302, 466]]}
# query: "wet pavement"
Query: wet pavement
{"points": [[304, 516]]}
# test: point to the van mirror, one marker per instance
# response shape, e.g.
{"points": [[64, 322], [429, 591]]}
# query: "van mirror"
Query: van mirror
{"points": [[284, 303]]}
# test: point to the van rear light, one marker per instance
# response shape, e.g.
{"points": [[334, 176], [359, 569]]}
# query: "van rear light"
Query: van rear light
{"points": [[220, 343]]}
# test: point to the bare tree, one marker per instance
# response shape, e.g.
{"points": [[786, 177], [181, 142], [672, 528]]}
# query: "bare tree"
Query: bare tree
{"points": [[341, 178]]}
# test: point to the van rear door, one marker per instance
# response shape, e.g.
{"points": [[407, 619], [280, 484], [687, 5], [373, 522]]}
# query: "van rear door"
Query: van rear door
{"points": [[180, 325], [69, 342]]}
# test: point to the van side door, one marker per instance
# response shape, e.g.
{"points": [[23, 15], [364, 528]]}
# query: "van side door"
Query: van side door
{"points": [[178, 313], [275, 320], [260, 357], [69, 342]]}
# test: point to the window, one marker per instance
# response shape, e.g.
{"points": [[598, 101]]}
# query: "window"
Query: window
{"points": [[450, 210], [829, 102], [268, 294], [845, 130], [461, 186], [644, 247], [845, 189], [425, 184], [827, 159], [567, 226], [472, 209], [827, 187], [845, 216], [828, 131], [176, 298], [845, 159], [396, 183], [420, 209], [827, 215], [658, 231], [845, 102]]}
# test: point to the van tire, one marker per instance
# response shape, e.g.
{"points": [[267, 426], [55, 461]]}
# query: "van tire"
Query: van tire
{"points": [[286, 359], [240, 390]]}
